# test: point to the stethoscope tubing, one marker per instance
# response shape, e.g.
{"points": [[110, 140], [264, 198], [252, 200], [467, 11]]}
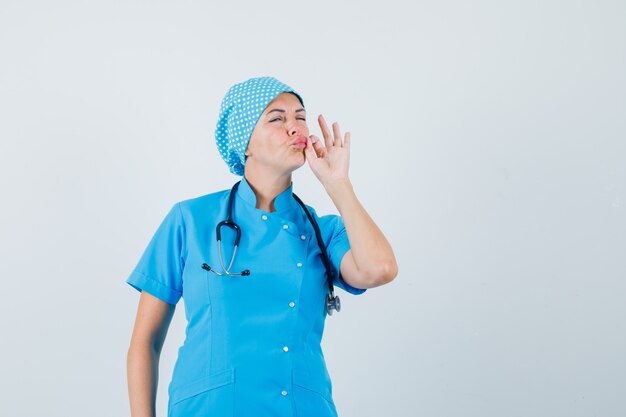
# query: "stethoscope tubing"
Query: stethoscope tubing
{"points": [[332, 301]]}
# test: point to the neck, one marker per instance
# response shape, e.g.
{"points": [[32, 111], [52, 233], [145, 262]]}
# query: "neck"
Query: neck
{"points": [[266, 186]]}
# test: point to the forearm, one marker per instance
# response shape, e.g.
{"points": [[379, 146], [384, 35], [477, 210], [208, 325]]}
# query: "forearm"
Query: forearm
{"points": [[143, 376], [370, 249]]}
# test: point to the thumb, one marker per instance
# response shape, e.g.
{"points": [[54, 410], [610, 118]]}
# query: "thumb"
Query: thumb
{"points": [[309, 151]]}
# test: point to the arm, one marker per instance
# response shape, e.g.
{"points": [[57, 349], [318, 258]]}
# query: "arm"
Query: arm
{"points": [[151, 324], [370, 262]]}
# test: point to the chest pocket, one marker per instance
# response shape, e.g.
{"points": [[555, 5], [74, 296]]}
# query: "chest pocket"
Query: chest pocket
{"points": [[276, 256], [195, 286], [268, 282]]}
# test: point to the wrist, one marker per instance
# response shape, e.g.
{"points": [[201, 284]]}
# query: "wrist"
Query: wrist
{"points": [[336, 185]]}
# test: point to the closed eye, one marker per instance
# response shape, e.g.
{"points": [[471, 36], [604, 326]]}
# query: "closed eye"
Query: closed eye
{"points": [[279, 118]]}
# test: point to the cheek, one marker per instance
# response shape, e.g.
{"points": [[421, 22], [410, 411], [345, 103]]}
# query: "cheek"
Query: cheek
{"points": [[270, 143]]}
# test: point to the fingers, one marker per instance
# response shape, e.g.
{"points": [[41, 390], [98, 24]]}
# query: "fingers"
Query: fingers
{"points": [[310, 151], [337, 134], [325, 132], [317, 145], [329, 140]]}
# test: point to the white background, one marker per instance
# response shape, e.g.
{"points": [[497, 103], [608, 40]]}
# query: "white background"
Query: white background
{"points": [[488, 144]]}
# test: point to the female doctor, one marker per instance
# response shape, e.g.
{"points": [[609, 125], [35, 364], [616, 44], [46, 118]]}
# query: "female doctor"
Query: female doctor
{"points": [[255, 312]]}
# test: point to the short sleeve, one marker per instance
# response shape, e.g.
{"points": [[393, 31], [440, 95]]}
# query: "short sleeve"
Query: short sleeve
{"points": [[159, 270], [337, 248]]}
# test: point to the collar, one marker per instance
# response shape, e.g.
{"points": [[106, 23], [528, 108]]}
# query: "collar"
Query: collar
{"points": [[283, 202]]}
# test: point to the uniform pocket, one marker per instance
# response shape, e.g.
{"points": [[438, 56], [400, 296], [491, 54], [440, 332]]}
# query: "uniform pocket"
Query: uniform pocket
{"points": [[195, 288], [211, 395], [312, 396]]}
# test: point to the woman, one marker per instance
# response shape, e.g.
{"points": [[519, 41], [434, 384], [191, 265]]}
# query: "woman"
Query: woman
{"points": [[252, 345]]}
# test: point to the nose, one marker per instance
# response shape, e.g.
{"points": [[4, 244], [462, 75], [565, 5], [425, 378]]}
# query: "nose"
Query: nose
{"points": [[296, 127], [292, 129]]}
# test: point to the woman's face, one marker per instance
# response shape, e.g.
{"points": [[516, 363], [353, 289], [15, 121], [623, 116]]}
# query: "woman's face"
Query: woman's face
{"points": [[273, 140]]}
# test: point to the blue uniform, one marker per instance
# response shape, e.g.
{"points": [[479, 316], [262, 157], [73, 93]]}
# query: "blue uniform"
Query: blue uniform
{"points": [[252, 344]]}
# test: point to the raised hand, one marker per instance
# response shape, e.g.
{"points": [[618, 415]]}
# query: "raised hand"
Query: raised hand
{"points": [[331, 162]]}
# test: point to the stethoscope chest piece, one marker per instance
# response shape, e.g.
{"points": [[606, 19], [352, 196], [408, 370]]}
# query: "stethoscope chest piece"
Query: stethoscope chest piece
{"points": [[332, 303]]}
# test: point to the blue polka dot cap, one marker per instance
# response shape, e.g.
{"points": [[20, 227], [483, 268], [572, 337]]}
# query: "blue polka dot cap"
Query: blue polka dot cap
{"points": [[241, 108]]}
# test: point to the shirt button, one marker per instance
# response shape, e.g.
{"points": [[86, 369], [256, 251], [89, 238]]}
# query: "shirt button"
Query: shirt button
{"points": [[286, 348], [292, 304], [302, 237], [285, 226], [283, 392], [264, 217], [299, 265]]}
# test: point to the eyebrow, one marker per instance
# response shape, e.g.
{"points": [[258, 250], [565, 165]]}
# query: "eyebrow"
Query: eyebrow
{"points": [[283, 111]]}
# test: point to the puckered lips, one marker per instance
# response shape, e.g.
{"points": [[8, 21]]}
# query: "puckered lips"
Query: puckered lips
{"points": [[299, 142]]}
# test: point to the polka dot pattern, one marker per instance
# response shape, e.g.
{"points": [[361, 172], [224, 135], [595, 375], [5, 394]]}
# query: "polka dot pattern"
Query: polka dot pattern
{"points": [[241, 108]]}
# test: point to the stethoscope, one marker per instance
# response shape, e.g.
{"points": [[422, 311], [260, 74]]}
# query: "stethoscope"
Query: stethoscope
{"points": [[332, 300]]}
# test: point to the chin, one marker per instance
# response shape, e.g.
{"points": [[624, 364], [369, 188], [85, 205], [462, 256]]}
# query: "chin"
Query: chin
{"points": [[294, 167]]}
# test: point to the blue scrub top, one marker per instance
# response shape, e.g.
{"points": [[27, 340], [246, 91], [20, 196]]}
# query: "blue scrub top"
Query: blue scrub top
{"points": [[252, 343]]}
